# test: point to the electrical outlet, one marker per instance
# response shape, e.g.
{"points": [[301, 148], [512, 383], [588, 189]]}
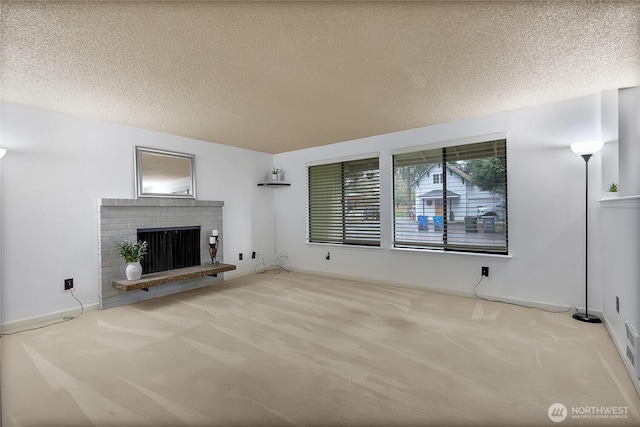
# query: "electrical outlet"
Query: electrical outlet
{"points": [[240, 256], [328, 257], [253, 255], [68, 284], [617, 304], [485, 271]]}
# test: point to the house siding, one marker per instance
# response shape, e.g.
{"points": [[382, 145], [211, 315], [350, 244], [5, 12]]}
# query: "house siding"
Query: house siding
{"points": [[469, 197]]}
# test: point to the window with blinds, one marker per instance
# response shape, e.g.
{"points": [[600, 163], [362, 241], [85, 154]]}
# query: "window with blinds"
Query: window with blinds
{"points": [[452, 198], [344, 203]]}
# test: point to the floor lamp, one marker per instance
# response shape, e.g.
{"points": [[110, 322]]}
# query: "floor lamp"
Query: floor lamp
{"points": [[586, 150]]}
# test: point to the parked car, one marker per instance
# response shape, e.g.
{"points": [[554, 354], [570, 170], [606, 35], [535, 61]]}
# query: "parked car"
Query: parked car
{"points": [[497, 211]]}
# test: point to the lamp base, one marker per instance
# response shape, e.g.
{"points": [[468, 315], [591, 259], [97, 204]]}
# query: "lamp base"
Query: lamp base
{"points": [[589, 318]]}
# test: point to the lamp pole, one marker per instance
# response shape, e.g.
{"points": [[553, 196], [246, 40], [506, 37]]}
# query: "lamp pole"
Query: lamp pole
{"points": [[586, 317]]}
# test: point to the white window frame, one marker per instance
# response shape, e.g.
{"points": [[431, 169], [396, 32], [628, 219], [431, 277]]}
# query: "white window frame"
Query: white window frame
{"points": [[479, 249], [367, 229]]}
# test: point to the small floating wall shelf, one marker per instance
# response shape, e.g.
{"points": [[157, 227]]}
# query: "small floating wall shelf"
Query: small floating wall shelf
{"points": [[274, 184]]}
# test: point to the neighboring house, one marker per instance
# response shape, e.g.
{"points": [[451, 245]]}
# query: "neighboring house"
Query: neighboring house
{"points": [[463, 198]]}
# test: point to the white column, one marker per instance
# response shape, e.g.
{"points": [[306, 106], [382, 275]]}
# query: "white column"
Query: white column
{"points": [[629, 140]]}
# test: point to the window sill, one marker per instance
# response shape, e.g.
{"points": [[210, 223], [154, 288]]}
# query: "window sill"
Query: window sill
{"points": [[454, 253], [335, 245], [412, 251]]}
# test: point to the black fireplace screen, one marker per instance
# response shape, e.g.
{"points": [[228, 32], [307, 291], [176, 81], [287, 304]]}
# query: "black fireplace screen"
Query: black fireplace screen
{"points": [[170, 248]]}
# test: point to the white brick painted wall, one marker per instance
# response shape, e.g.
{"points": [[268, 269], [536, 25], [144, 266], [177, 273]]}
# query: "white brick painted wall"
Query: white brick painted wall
{"points": [[119, 219]]}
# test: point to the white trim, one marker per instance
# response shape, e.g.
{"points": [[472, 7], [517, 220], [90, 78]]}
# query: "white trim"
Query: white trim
{"points": [[343, 159], [344, 246], [56, 315], [621, 202], [498, 136], [451, 142], [560, 309], [412, 251], [458, 253], [621, 347]]}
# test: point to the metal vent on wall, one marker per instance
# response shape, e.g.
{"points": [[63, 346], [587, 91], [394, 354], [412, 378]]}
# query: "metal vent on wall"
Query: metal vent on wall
{"points": [[633, 342], [631, 356]]}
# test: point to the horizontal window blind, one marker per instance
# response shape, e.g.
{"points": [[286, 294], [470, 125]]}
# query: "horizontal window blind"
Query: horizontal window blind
{"points": [[452, 198], [344, 203]]}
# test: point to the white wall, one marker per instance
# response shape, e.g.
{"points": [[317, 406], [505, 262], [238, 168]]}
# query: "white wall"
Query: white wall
{"points": [[620, 216], [546, 202], [629, 137], [621, 266], [58, 166], [609, 114], [0, 241]]}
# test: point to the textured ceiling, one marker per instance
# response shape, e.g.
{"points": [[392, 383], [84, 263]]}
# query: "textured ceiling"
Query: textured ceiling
{"points": [[276, 77]]}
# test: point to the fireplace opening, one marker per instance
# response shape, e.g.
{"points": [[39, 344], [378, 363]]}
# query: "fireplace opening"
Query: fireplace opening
{"points": [[170, 248]]}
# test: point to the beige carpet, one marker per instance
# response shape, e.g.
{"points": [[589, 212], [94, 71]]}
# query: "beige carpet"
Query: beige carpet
{"points": [[296, 349]]}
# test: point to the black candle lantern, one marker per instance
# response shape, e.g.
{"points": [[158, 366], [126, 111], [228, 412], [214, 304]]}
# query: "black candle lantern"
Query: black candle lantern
{"points": [[213, 248]]}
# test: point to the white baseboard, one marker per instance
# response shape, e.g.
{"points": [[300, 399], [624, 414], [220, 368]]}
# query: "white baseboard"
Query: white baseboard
{"points": [[468, 294], [58, 315], [38, 320], [231, 275]]}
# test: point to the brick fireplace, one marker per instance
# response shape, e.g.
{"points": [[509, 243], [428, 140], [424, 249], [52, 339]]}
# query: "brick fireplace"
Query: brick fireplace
{"points": [[120, 219]]}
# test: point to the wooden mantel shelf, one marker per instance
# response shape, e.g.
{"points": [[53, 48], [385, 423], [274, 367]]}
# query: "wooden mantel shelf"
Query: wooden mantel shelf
{"points": [[162, 277]]}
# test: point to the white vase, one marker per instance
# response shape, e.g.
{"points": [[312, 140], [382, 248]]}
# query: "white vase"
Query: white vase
{"points": [[274, 177], [134, 271]]}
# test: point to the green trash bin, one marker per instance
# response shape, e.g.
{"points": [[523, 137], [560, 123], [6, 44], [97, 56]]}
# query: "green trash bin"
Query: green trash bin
{"points": [[489, 223], [470, 224]]}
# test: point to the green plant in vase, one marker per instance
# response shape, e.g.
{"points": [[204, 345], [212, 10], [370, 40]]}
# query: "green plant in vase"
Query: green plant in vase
{"points": [[132, 251]]}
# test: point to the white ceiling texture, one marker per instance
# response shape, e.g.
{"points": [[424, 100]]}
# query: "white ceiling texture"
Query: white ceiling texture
{"points": [[282, 76]]}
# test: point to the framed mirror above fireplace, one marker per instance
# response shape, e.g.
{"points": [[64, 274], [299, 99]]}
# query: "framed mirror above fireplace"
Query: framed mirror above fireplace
{"points": [[162, 173]]}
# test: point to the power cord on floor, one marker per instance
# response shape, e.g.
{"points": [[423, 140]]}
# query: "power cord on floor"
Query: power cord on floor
{"points": [[516, 304], [262, 267], [64, 319]]}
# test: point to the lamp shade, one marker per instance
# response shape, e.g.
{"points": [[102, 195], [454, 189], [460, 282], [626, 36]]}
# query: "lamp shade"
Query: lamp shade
{"points": [[3, 151], [586, 147]]}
